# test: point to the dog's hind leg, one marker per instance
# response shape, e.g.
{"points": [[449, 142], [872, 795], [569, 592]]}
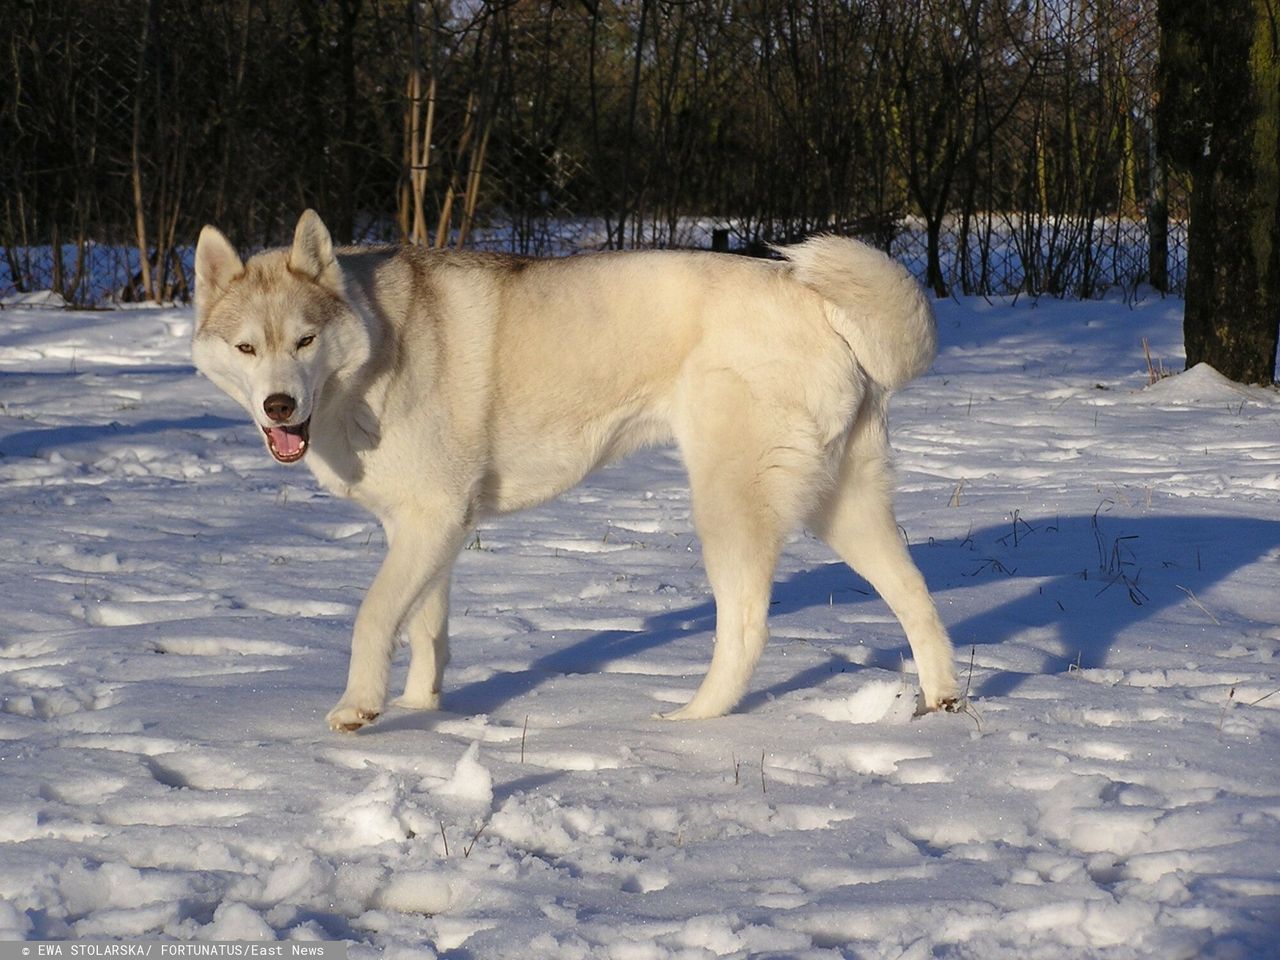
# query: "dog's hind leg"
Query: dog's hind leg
{"points": [[740, 564], [428, 647], [749, 476], [418, 552], [857, 521]]}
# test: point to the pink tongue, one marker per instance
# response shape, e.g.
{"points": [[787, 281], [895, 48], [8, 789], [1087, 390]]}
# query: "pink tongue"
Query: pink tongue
{"points": [[285, 443]]}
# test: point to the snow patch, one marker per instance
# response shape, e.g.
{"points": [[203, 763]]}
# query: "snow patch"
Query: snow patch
{"points": [[877, 701], [1103, 554], [471, 782], [1203, 384]]}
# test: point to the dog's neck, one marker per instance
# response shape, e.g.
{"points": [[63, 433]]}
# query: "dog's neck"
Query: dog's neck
{"points": [[347, 422]]}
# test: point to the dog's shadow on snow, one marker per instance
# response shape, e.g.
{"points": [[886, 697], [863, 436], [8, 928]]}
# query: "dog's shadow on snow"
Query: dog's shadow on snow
{"points": [[40, 440], [1063, 589], [1079, 582]]}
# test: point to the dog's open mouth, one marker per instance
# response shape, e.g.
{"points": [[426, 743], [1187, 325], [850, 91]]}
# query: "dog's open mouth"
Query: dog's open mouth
{"points": [[288, 444]]}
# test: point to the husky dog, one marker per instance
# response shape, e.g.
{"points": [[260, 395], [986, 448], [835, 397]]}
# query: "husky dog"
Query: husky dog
{"points": [[440, 388]]}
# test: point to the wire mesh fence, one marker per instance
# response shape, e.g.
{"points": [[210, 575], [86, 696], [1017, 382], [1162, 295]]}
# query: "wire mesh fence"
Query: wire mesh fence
{"points": [[995, 147]]}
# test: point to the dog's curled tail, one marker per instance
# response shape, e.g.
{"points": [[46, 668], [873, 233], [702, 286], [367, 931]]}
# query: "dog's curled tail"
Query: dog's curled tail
{"points": [[881, 310]]}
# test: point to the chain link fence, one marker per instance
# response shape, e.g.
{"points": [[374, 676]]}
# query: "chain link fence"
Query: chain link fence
{"points": [[994, 147]]}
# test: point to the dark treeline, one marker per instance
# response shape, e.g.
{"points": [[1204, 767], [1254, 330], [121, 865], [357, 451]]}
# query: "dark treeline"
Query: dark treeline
{"points": [[1001, 145]]}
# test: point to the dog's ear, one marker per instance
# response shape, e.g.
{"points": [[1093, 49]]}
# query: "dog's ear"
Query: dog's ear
{"points": [[217, 264], [312, 252]]}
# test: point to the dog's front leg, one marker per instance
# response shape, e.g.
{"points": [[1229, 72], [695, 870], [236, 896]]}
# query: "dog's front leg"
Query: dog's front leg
{"points": [[428, 630], [418, 554]]}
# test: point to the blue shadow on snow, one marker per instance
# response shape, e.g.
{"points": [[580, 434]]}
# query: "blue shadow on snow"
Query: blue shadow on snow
{"points": [[1080, 582], [32, 443]]}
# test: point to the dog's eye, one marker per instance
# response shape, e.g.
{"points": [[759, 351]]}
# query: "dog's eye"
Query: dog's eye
{"points": [[306, 341], [246, 348]]}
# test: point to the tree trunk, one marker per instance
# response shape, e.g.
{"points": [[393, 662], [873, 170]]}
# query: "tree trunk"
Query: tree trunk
{"points": [[349, 152], [624, 199], [135, 162], [1220, 119], [933, 257], [1157, 216]]}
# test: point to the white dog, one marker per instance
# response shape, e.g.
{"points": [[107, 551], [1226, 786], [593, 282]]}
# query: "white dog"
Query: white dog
{"points": [[439, 388]]}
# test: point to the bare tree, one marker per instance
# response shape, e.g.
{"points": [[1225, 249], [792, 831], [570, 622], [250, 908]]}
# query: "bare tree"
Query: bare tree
{"points": [[1219, 113], [1004, 144]]}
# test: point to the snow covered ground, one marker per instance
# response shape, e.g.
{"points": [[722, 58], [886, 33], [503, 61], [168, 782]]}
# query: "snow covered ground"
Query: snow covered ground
{"points": [[174, 617]]}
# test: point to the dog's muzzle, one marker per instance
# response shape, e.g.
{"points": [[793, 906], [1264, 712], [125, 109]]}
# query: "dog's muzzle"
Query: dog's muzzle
{"points": [[287, 442]]}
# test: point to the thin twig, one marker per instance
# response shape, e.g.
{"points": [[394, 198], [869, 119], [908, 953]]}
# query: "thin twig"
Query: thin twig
{"points": [[967, 707], [466, 852], [1254, 703], [1196, 601]]}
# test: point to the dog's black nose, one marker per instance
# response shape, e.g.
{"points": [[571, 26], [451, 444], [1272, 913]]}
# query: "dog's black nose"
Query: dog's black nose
{"points": [[279, 407]]}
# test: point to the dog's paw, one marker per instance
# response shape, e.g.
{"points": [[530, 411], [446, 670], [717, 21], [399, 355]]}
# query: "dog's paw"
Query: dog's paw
{"points": [[408, 701], [687, 712], [348, 719], [944, 696], [951, 703]]}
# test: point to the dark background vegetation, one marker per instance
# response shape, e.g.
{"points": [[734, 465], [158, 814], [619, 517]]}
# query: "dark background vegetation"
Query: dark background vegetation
{"points": [[999, 145]]}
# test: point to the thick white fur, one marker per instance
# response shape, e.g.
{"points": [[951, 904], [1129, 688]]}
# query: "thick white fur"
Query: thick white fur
{"points": [[442, 388], [883, 313]]}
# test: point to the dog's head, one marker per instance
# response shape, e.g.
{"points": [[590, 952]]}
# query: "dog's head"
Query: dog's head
{"points": [[273, 331]]}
